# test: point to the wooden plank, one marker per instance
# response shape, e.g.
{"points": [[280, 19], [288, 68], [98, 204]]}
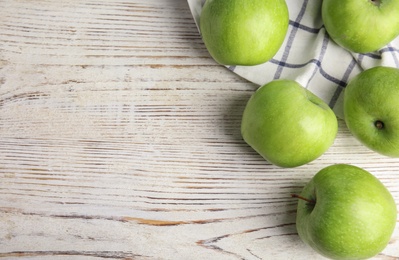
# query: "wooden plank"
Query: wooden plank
{"points": [[119, 138]]}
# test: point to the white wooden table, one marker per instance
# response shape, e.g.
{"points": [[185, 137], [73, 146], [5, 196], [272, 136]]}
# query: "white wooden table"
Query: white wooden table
{"points": [[120, 139]]}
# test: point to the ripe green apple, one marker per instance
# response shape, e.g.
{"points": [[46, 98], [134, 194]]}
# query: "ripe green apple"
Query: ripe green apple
{"points": [[287, 124], [242, 32], [371, 109], [345, 212], [361, 25]]}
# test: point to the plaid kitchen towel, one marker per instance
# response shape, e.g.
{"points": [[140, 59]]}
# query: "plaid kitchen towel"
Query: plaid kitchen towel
{"points": [[310, 57]]}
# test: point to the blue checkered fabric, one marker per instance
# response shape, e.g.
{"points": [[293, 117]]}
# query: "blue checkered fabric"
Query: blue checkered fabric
{"points": [[310, 57]]}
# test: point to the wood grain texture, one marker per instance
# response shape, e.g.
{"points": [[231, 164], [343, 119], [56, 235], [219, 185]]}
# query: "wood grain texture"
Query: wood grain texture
{"points": [[119, 139]]}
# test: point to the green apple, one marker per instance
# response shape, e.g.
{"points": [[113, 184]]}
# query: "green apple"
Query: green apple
{"points": [[345, 212], [361, 25], [242, 32], [287, 124], [371, 109]]}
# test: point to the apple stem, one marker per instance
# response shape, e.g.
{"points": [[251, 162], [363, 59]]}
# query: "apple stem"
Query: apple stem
{"points": [[379, 124], [303, 198], [376, 2]]}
